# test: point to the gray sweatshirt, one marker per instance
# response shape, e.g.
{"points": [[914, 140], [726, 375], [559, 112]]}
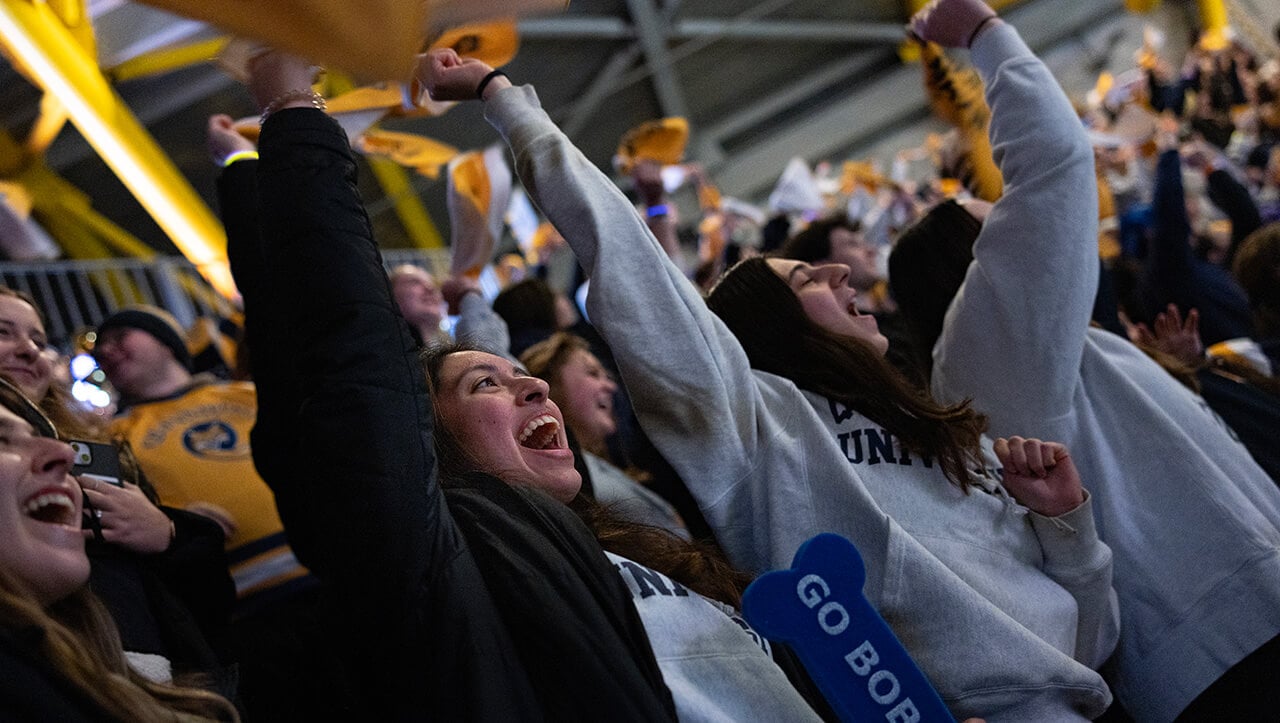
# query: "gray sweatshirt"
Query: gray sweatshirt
{"points": [[769, 472], [1193, 522], [630, 500], [716, 666]]}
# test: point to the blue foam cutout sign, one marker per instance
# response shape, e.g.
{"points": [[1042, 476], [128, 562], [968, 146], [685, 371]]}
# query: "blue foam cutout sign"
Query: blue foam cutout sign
{"points": [[818, 608]]}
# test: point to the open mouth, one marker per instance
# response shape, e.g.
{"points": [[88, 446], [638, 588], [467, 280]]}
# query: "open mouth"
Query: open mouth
{"points": [[52, 507], [541, 432]]}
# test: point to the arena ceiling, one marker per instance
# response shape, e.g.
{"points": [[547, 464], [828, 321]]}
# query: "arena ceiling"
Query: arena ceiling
{"points": [[760, 81]]}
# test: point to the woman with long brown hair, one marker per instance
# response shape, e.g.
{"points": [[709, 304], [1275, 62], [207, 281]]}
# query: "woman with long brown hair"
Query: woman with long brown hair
{"points": [[1005, 605], [59, 648], [584, 391], [159, 571], [1004, 306], [436, 508]]}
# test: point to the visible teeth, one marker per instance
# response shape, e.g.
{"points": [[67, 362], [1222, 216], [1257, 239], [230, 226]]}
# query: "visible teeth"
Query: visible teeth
{"points": [[59, 499], [533, 426]]}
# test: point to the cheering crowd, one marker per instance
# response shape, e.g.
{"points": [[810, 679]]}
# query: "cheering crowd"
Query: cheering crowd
{"points": [[1045, 416]]}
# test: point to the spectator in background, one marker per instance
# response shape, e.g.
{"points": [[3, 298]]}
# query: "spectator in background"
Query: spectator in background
{"points": [[532, 310], [584, 391], [1243, 396], [1172, 272], [160, 571], [840, 240], [191, 437], [420, 301], [59, 649], [1257, 267]]}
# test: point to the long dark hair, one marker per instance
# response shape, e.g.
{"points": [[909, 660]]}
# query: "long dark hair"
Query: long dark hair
{"points": [[926, 269], [77, 637], [779, 338], [813, 244], [698, 566], [1257, 267]]}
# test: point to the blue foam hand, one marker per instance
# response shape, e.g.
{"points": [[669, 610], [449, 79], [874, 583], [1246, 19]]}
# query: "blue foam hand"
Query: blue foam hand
{"points": [[818, 608]]}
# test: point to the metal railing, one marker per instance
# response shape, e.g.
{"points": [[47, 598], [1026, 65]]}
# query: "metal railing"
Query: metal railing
{"points": [[77, 295]]}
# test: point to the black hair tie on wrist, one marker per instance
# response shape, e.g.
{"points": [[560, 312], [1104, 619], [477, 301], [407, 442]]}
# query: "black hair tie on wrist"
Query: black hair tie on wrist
{"points": [[974, 35], [484, 82]]}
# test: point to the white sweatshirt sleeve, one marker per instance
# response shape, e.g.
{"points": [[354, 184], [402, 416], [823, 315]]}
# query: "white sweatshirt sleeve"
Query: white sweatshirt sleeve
{"points": [[1014, 335], [688, 377], [1015, 331], [732, 436], [1078, 561], [480, 325]]}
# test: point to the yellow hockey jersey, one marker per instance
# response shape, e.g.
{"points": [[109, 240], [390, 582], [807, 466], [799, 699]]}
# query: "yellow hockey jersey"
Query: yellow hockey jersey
{"points": [[194, 448]]}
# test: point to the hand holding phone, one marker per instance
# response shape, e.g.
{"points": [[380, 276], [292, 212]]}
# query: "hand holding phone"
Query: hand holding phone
{"points": [[96, 461], [116, 512]]}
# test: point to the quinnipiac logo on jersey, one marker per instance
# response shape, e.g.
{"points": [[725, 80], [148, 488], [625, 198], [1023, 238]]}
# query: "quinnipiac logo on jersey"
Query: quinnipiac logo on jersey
{"points": [[213, 439]]}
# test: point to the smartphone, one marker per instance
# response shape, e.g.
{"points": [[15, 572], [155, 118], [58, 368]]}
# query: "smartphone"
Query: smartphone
{"points": [[97, 461]]}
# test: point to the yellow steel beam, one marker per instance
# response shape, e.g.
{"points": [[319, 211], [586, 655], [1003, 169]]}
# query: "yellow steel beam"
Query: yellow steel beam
{"points": [[1213, 14], [67, 214], [394, 180], [117, 239], [167, 59], [56, 200], [47, 125], [33, 33]]}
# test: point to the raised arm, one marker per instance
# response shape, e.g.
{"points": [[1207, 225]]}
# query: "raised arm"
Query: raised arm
{"points": [[1042, 476], [689, 379], [344, 431], [1234, 199], [1172, 274], [478, 323], [1014, 334], [1168, 268]]}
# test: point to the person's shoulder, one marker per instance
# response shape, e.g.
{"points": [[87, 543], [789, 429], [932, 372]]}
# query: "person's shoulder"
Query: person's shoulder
{"points": [[235, 387], [203, 388], [776, 387], [207, 385], [122, 422], [31, 691]]}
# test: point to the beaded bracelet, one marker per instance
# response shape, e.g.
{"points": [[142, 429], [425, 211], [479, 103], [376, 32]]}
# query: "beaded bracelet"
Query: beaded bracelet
{"points": [[317, 101]]}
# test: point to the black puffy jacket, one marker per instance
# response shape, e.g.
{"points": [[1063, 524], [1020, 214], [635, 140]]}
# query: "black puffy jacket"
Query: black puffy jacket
{"points": [[482, 602]]}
